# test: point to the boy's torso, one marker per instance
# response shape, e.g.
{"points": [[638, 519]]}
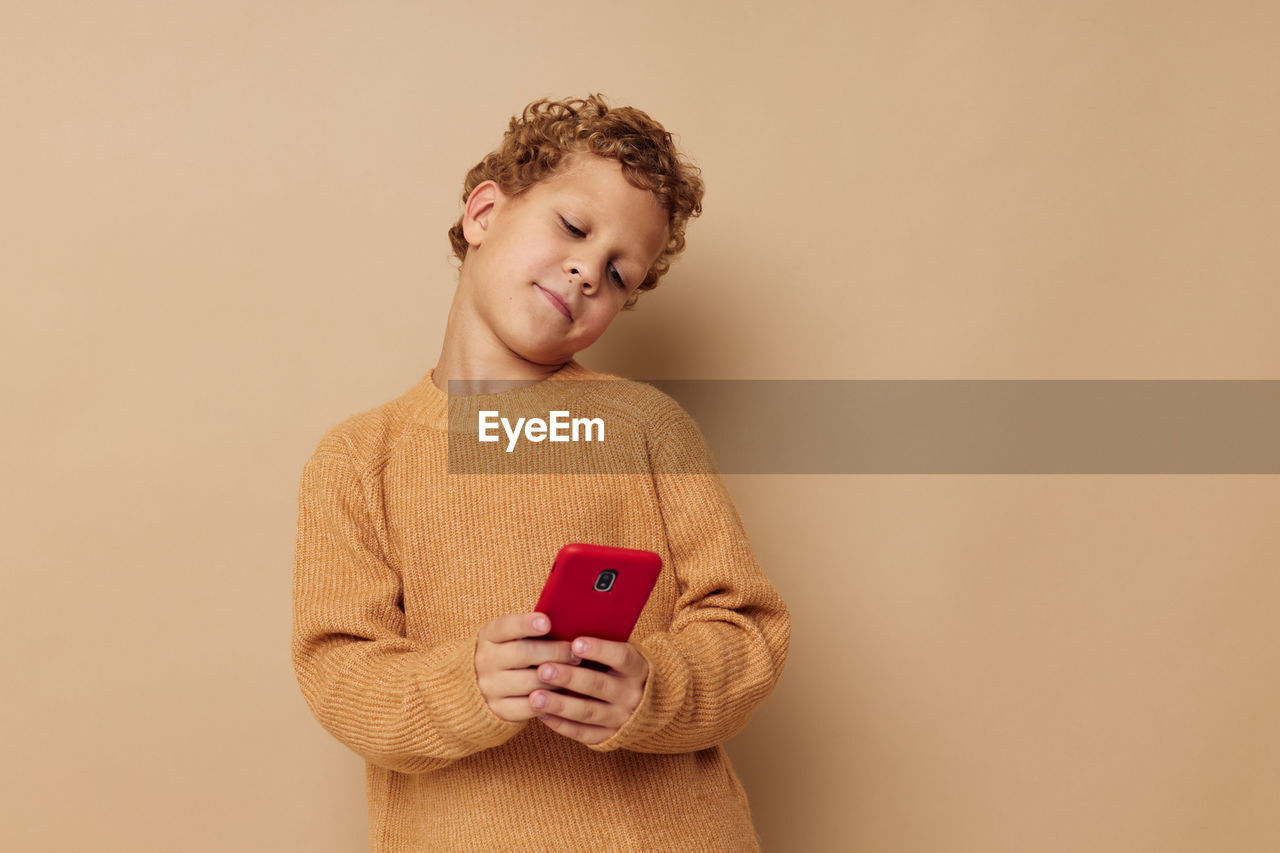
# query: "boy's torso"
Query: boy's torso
{"points": [[471, 547]]}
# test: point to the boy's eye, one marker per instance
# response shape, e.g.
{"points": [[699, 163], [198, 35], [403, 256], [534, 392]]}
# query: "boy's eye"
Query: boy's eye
{"points": [[614, 275], [617, 277]]}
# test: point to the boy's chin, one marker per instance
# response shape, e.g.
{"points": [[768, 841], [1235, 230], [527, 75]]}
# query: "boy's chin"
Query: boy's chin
{"points": [[537, 345], [545, 358]]}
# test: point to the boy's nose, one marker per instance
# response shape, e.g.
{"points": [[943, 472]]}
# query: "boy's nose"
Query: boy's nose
{"points": [[574, 273]]}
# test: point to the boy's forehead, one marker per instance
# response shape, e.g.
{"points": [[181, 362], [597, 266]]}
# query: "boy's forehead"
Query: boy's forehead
{"points": [[593, 176], [580, 164]]}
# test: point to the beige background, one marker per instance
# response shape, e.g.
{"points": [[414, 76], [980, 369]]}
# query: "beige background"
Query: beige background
{"points": [[223, 232]]}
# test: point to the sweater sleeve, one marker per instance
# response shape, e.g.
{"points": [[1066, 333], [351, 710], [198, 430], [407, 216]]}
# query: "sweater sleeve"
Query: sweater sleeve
{"points": [[398, 703], [729, 636]]}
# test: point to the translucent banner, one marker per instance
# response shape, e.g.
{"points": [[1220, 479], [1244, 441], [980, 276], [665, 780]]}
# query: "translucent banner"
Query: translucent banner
{"points": [[884, 427]]}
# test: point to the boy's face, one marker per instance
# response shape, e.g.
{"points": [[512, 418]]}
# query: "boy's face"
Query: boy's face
{"points": [[550, 268]]}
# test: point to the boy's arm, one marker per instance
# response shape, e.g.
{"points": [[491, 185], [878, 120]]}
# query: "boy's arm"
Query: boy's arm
{"points": [[400, 704], [730, 633]]}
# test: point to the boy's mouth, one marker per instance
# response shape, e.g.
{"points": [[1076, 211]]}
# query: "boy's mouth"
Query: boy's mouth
{"points": [[555, 300]]}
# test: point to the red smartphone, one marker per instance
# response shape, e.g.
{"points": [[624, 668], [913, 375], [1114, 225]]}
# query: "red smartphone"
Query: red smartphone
{"points": [[597, 591]]}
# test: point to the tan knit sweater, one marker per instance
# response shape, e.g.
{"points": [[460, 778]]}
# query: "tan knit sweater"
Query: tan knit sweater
{"points": [[400, 562]]}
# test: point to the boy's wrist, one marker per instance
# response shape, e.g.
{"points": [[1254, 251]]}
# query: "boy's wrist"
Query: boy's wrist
{"points": [[643, 720], [455, 704]]}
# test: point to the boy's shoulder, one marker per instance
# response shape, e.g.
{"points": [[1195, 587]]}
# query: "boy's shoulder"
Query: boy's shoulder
{"points": [[368, 435], [632, 398], [675, 441]]}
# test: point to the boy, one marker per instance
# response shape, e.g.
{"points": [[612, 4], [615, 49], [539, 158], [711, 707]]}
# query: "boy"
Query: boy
{"points": [[415, 574]]}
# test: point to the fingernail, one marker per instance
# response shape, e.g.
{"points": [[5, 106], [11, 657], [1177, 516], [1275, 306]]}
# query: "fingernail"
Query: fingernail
{"points": [[575, 660], [538, 700], [580, 646], [547, 672], [540, 623]]}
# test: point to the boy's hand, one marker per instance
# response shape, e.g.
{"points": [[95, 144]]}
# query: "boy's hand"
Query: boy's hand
{"points": [[607, 700], [506, 652]]}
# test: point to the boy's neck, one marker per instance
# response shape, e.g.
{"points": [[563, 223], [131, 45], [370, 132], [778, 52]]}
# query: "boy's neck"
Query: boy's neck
{"points": [[478, 364], [464, 376]]}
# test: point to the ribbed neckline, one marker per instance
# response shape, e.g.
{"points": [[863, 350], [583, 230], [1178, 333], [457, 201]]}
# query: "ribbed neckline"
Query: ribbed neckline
{"points": [[429, 405]]}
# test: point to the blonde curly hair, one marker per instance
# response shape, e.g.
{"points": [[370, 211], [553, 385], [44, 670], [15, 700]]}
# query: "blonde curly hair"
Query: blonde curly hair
{"points": [[538, 140]]}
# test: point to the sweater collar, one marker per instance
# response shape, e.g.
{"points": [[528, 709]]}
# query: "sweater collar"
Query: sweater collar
{"points": [[430, 405]]}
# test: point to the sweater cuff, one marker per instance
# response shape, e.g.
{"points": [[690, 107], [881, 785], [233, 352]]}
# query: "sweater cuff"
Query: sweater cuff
{"points": [[456, 705], [664, 694]]}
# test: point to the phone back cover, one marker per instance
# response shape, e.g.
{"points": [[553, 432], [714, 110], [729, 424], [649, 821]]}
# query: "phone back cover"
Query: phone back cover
{"points": [[577, 609]]}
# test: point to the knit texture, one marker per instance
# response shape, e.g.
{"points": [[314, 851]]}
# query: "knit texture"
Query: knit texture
{"points": [[399, 563]]}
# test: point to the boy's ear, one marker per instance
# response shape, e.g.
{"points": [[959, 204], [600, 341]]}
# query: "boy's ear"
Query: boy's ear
{"points": [[479, 210]]}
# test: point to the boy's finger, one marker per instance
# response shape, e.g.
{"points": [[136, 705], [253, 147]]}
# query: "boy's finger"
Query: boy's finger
{"points": [[580, 732], [513, 710], [577, 709], [529, 651], [508, 691], [515, 626], [620, 657], [582, 681]]}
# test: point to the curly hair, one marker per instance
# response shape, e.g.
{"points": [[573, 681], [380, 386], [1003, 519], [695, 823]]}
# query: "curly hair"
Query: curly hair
{"points": [[538, 140]]}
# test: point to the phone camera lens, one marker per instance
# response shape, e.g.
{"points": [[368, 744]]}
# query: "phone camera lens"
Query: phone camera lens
{"points": [[604, 582]]}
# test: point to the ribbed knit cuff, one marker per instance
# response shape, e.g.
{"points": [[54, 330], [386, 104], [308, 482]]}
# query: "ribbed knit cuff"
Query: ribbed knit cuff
{"points": [[453, 697], [664, 694]]}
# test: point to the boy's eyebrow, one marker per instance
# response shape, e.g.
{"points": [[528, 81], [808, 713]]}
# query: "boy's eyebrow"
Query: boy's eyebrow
{"points": [[578, 197]]}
